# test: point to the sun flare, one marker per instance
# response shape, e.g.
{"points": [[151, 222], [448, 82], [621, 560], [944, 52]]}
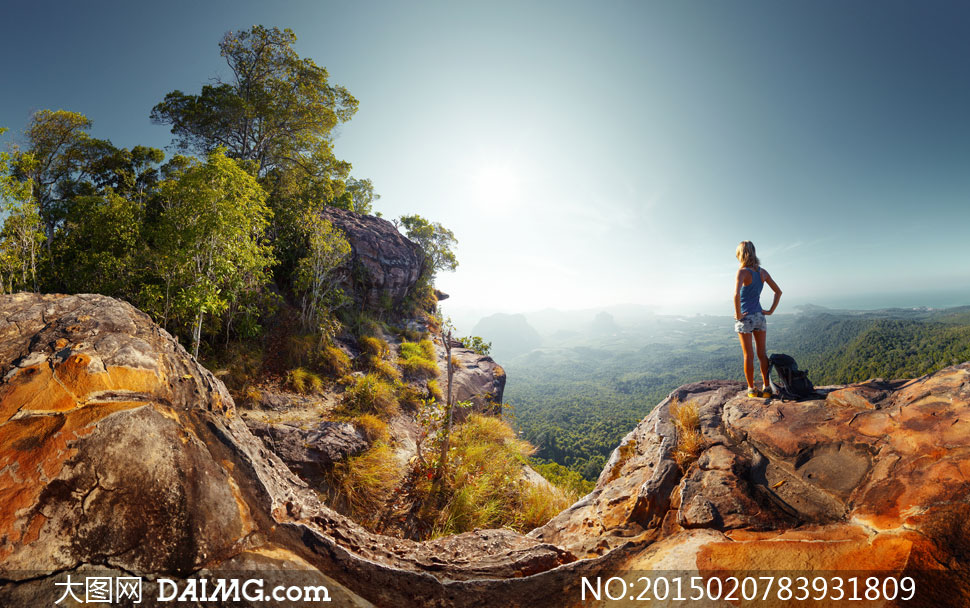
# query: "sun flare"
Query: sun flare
{"points": [[498, 184]]}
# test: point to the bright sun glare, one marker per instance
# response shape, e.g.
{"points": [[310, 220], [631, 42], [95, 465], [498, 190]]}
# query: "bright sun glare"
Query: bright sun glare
{"points": [[497, 184]]}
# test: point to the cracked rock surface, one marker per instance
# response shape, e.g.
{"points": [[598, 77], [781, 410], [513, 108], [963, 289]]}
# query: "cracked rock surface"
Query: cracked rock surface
{"points": [[119, 453], [872, 476]]}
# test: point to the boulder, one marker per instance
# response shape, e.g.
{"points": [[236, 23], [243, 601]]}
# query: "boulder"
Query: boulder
{"points": [[309, 451], [120, 454], [871, 478], [476, 378], [388, 264]]}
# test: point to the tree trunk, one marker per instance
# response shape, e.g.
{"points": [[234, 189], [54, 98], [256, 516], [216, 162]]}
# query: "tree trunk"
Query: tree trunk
{"points": [[197, 334], [443, 461]]}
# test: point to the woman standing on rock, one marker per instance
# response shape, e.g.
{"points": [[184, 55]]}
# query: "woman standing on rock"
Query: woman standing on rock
{"points": [[749, 316]]}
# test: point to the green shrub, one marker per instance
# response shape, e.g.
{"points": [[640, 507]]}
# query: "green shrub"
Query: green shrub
{"points": [[418, 359], [477, 344]]}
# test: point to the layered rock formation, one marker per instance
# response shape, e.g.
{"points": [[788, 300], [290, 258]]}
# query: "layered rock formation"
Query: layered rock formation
{"points": [[475, 378], [119, 452], [874, 477], [387, 264]]}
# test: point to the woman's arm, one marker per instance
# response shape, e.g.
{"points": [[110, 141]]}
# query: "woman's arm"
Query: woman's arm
{"points": [[737, 295], [774, 286]]}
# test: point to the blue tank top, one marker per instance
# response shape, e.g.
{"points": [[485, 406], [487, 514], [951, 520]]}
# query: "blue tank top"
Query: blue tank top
{"points": [[751, 293]]}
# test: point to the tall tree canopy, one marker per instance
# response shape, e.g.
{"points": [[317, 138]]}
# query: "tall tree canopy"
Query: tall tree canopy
{"points": [[57, 155], [277, 110], [209, 245], [436, 241], [276, 114]]}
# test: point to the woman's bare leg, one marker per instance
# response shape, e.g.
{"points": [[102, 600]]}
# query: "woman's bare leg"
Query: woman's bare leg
{"points": [[748, 359], [759, 340]]}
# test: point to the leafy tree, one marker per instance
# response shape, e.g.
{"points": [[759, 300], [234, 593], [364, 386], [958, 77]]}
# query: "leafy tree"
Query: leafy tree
{"points": [[277, 113], [358, 196], [57, 154], [277, 110], [477, 344], [435, 241], [99, 248], [21, 235], [209, 239], [327, 251]]}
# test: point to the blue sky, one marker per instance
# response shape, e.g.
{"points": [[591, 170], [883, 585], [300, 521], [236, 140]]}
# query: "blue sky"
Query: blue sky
{"points": [[594, 153]]}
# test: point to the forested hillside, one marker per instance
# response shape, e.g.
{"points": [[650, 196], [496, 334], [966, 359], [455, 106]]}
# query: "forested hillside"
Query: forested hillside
{"points": [[576, 402]]}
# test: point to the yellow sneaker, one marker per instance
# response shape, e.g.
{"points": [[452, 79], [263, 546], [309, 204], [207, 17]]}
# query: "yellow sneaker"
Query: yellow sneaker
{"points": [[754, 394], [766, 393]]}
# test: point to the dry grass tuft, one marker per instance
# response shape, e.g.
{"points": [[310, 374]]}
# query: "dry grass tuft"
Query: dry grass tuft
{"points": [[374, 346], [304, 381], [418, 359], [333, 361], [484, 485], [690, 442], [373, 427], [361, 484], [370, 394]]}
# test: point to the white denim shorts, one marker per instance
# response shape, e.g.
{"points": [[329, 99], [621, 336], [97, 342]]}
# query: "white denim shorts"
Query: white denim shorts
{"points": [[753, 321]]}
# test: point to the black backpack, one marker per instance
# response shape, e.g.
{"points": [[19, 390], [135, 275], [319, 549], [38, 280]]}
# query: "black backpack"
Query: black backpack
{"points": [[793, 383]]}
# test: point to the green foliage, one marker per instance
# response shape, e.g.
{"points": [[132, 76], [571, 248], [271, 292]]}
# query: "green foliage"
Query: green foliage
{"points": [[58, 151], [100, 247], [327, 251], [276, 112], [208, 241], [477, 344], [436, 241], [567, 479], [418, 359], [21, 235]]}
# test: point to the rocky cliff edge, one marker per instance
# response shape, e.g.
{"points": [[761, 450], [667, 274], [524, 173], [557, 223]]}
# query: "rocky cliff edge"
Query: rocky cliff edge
{"points": [[119, 452]]}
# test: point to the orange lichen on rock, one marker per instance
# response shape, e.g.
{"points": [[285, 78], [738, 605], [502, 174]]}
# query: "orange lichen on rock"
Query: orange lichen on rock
{"points": [[848, 397], [34, 388], [69, 385], [837, 548], [35, 450]]}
